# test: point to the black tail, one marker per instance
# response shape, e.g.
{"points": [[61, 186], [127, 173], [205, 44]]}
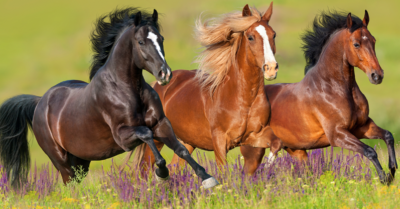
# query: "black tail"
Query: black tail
{"points": [[16, 114]]}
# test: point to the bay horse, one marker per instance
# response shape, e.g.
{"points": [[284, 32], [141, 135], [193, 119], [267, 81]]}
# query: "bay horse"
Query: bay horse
{"points": [[77, 122], [327, 108], [223, 105]]}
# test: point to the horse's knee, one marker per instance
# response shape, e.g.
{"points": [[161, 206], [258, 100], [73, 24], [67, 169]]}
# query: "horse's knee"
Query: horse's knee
{"points": [[389, 138], [370, 153], [144, 133], [276, 145], [182, 152], [161, 162]]}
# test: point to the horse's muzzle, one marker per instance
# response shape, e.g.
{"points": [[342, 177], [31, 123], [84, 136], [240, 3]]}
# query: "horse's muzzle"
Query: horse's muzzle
{"points": [[270, 71], [375, 77], [165, 75]]}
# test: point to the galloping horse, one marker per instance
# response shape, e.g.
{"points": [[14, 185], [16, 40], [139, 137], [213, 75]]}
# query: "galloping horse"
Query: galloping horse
{"points": [[327, 107], [223, 104], [76, 122]]}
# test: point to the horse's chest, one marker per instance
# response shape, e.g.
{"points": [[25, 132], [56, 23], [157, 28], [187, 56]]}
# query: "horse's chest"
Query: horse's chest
{"points": [[253, 118], [360, 108]]}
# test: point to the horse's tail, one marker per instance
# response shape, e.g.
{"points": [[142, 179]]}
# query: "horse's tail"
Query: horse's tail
{"points": [[16, 115], [137, 158]]}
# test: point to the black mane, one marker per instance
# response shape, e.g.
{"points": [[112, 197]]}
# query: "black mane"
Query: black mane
{"points": [[323, 26], [106, 33]]}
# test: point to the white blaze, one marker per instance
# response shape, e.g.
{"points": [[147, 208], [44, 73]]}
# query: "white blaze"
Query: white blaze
{"points": [[364, 37], [268, 54], [153, 38]]}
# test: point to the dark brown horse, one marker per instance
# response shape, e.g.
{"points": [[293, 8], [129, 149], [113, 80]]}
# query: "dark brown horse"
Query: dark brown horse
{"points": [[76, 122], [223, 104], [327, 107]]}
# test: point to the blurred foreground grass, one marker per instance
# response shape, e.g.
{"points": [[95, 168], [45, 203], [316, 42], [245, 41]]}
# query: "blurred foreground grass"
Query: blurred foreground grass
{"points": [[45, 42]]}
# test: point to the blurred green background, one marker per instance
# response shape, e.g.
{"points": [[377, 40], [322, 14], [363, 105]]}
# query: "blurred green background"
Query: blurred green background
{"points": [[44, 42]]}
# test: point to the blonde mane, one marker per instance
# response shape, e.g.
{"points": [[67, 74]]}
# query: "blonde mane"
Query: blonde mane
{"points": [[221, 38]]}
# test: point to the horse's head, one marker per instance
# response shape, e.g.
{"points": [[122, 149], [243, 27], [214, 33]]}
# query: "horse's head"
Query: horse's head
{"points": [[360, 50], [261, 42], [150, 50]]}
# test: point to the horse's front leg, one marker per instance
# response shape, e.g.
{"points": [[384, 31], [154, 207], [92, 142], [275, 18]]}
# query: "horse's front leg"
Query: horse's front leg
{"points": [[163, 132], [371, 131], [253, 149], [341, 137], [131, 137]]}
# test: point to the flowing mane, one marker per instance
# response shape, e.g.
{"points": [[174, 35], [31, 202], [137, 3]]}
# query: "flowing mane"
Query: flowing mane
{"points": [[324, 26], [221, 38], [106, 33]]}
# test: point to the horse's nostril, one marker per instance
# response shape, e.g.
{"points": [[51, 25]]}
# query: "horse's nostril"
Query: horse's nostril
{"points": [[373, 75], [277, 66], [160, 74]]}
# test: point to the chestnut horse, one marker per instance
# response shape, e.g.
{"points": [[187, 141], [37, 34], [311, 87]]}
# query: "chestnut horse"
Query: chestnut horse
{"points": [[76, 122], [327, 107], [223, 104]]}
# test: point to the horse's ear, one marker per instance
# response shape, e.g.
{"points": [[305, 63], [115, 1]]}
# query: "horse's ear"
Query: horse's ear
{"points": [[349, 21], [268, 13], [138, 19], [366, 19], [155, 16], [246, 11]]}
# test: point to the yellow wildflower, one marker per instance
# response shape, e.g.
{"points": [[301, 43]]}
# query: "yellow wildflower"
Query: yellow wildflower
{"points": [[114, 205]]}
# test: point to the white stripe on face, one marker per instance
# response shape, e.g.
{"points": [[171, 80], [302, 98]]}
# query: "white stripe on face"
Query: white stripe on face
{"points": [[268, 55], [153, 38]]}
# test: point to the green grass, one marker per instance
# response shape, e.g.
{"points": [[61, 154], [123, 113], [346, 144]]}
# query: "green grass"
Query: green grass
{"points": [[45, 42]]}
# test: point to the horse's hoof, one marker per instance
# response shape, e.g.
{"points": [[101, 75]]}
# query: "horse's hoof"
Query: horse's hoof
{"points": [[161, 179], [209, 183], [389, 179]]}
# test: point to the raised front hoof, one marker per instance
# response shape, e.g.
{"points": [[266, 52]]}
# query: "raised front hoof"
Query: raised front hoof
{"points": [[209, 183], [161, 179], [387, 180], [162, 174]]}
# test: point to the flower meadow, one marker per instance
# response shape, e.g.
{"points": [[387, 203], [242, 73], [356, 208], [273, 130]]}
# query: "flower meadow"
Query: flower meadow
{"points": [[327, 180]]}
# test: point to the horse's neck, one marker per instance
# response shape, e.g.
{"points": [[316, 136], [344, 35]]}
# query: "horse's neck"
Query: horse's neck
{"points": [[332, 67], [245, 77], [120, 65]]}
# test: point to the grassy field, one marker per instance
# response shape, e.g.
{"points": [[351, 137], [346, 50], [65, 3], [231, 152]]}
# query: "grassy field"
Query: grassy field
{"points": [[328, 180], [45, 42]]}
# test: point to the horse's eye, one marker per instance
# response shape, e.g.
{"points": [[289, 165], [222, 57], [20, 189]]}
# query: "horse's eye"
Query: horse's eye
{"points": [[356, 45], [141, 42], [274, 35], [250, 38]]}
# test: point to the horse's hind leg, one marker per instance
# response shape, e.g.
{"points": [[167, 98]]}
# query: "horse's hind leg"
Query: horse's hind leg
{"points": [[252, 158], [77, 164], [62, 160], [371, 131]]}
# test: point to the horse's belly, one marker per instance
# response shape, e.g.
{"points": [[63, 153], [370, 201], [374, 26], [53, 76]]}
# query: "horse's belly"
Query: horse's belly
{"points": [[296, 126]]}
